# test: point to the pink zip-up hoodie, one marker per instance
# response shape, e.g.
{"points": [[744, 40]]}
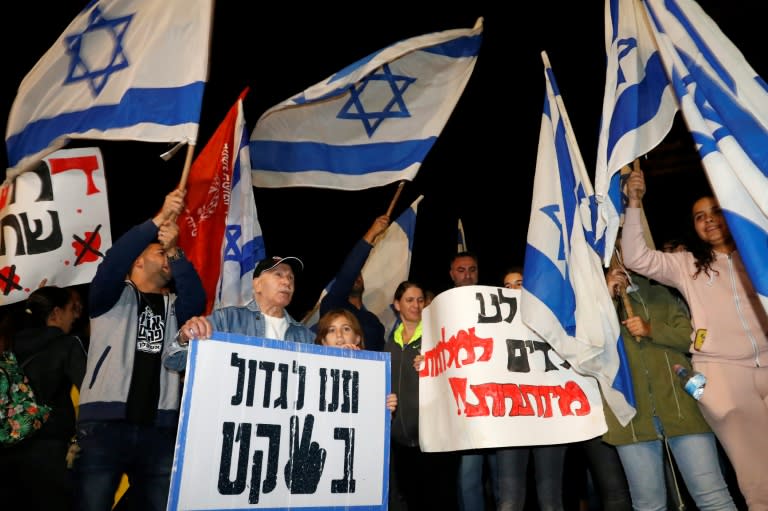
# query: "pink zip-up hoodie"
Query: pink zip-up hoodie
{"points": [[723, 303]]}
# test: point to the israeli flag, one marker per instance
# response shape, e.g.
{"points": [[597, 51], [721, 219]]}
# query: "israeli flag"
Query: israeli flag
{"points": [[243, 242], [388, 264], [638, 109], [725, 106], [565, 299], [462, 242], [370, 124], [122, 70]]}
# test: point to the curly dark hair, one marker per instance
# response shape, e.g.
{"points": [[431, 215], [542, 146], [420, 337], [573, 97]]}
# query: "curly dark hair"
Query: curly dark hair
{"points": [[703, 253]]}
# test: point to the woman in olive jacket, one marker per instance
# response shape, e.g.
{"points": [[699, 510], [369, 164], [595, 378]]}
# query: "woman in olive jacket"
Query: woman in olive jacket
{"points": [[656, 338]]}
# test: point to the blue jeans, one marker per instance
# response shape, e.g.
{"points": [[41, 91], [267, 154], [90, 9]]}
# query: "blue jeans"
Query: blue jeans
{"points": [[548, 462], [696, 457], [110, 449], [471, 485]]}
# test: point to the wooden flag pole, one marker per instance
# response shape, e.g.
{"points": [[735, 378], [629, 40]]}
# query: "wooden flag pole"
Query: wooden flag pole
{"points": [[394, 199], [615, 264], [187, 166]]}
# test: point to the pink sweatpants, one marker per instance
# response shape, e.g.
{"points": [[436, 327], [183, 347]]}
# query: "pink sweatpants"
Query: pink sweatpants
{"points": [[735, 404]]}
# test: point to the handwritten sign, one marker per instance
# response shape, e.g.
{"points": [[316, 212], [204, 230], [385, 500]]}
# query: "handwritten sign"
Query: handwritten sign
{"points": [[274, 424], [489, 381], [54, 224]]}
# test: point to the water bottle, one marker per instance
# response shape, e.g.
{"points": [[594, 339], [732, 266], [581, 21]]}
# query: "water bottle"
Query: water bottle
{"points": [[693, 382]]}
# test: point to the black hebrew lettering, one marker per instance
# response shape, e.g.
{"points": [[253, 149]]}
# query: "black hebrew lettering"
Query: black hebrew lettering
{"points": [[226, 485], [269, 369], [497, 301], [345, 391], [282, 399], [518, 352], [347, 483], [239, 363], [28, 238], [302, 372]]}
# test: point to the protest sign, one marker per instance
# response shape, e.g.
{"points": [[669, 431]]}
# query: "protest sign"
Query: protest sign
{"points": [[489, 381], [269, 424], [54, 222]]}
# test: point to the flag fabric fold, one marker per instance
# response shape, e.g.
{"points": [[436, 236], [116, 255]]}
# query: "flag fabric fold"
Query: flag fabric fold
{"points": [[122, 70], [639, 108], [219, 229], [725, 105], [388, 264], [370, 124], [565, 299]]}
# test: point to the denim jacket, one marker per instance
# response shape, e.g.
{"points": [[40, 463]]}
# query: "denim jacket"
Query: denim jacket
{"points": [[248, 320]]}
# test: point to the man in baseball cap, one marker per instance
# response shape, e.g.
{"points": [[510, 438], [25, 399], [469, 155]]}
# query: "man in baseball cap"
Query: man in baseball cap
{"points": [[266, 316], [270, 263]]}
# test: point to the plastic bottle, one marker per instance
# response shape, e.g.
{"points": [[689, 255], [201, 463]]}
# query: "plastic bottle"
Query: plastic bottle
{"points": [[692, 381]]}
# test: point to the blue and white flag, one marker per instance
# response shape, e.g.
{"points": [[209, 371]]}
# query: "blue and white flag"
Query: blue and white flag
{"points": [[462, 242], [122, 70], [370, 124], [725, 106], [638, 109], [243, 242], [388, 264], [565, 299]]}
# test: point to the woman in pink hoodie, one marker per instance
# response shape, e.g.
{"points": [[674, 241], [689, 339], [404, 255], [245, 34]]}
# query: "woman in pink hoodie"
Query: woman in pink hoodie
{"points": [[730, 332]]}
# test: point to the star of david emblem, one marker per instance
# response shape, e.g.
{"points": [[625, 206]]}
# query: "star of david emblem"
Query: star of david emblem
{"points": [[100, 33], [393, 108], [552, 212]]}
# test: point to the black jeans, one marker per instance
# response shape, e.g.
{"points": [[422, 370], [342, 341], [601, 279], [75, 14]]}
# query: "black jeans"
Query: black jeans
{"points": [[607, 474]]}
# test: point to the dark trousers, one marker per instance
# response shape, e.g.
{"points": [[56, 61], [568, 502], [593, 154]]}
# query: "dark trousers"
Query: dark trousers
{"points": [[607, 474], [35, 471], [421, 480], [109, 449]]}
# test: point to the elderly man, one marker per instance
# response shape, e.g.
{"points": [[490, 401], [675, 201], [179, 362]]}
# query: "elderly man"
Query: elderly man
{"points": [[273, 287]]}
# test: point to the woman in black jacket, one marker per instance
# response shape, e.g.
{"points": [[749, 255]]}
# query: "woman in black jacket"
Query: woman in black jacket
{"points": [[418, 480], [35, 469]]}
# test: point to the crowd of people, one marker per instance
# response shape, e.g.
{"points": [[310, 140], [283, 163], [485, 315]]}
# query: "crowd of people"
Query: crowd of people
{"points": [[692, 305]]}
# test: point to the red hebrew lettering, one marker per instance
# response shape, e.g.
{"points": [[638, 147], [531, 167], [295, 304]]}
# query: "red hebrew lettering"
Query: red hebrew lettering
{"points": [[570, 395], [495, 391], [459, 389], [466, 341], [88, 164], [525, 400], [4, 193], [512, 392]]}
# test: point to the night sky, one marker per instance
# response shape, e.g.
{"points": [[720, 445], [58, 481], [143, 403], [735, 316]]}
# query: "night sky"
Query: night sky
{"points": [[481, 167]]}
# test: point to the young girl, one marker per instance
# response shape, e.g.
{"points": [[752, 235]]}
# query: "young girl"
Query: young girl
{"points": [[730, 332], [340, 328]]}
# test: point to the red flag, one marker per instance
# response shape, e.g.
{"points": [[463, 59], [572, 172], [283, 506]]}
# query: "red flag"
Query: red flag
{"points": [[202, 224]]}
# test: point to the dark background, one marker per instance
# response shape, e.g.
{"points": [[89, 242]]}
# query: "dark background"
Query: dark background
{"points": [[480, 169]]}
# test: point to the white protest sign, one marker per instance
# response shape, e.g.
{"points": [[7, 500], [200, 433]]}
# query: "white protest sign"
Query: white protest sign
{"points": [[269, 424], [489, 381], [54, 224]]}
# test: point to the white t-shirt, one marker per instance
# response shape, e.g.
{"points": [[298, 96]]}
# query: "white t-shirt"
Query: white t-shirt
{"points": [[276, 327]]}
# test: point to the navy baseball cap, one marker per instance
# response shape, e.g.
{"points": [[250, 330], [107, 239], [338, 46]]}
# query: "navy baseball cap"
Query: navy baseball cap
{"points": [[269, 263]]}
